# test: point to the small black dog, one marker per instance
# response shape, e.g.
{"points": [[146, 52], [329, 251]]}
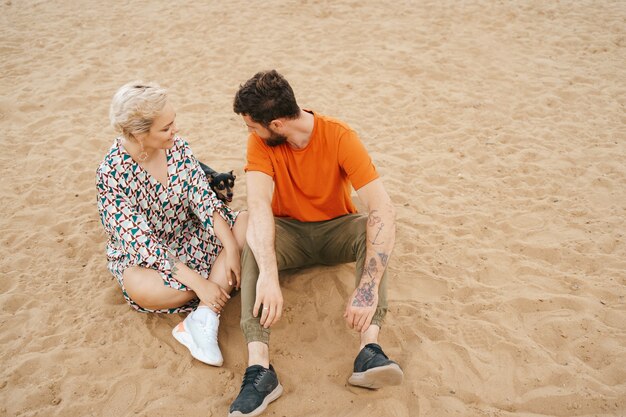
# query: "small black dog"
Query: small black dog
{"points": [[222, 184]]}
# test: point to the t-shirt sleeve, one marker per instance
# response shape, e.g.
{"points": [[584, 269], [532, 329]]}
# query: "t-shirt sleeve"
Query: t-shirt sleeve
{"points": [[202, 199], [257, 157], [129, 228], [355, 161]]}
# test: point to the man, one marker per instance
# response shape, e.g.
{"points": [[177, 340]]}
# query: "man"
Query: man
{"points": [[300, 169]]}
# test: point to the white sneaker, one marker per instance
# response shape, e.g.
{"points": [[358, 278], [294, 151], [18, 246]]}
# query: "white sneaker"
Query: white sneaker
{"points": [[200, 338]]}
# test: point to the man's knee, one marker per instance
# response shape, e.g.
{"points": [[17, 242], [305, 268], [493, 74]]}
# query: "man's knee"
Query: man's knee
{"points": [[246, 255], [360, 236], [290, 250]]}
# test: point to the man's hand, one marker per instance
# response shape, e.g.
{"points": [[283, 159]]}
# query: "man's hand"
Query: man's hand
{"points": [[361, 307], [269, 295]]}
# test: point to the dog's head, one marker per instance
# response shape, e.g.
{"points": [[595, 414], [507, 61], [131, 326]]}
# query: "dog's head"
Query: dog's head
{"points": [[222, 184]]}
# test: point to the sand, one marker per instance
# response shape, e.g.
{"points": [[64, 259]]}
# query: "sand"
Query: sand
{"points": [[500, 133]]}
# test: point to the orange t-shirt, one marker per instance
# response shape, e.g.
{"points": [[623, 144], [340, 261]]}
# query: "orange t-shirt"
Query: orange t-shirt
{"points": [[313, 184]]}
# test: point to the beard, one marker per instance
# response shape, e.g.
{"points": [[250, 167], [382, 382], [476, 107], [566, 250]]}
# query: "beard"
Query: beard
{"points": [[275, 139]]}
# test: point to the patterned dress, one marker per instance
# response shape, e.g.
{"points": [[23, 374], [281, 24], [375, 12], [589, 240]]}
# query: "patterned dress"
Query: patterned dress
{"points": [[145, 220]]}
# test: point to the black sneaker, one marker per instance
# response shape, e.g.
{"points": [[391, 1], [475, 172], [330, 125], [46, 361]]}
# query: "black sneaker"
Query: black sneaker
{"points": [[260, 387], [373, 369]]}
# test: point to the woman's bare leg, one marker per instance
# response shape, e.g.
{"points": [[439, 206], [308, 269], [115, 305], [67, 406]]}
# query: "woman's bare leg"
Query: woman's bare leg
{"points": [[145, 286]]}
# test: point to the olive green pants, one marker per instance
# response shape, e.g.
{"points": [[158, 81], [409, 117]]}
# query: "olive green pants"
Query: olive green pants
{"points": [[302, 244]]}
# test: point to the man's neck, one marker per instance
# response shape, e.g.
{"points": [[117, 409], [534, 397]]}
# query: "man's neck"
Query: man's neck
{"points": [[300, 130]]}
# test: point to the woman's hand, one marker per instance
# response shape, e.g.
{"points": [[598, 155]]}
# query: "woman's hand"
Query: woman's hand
{"points": [[211, 294], [233, 266]]}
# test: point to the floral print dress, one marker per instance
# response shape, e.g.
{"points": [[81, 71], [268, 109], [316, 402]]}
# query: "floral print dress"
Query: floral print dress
{"points": [[145, 220]]}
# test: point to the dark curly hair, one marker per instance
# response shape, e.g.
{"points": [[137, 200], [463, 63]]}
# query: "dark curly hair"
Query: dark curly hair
{"points": [[265, 97]]}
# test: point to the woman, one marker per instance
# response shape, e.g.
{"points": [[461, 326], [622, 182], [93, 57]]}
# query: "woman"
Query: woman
{"points": [[172, 244]]}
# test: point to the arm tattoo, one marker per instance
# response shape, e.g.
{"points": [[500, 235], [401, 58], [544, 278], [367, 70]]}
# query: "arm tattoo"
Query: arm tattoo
{"points": [[371, 268], [174, 261], [380, 228], [372, 221], [364, 295], [384, 258]]}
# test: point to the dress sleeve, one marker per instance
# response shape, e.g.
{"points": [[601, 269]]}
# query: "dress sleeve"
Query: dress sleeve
{"points": [[130, 229], [202, 199]]}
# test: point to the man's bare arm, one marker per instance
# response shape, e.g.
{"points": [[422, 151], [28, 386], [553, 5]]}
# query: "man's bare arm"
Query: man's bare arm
{"points": [[381, 232], [261, 238]]}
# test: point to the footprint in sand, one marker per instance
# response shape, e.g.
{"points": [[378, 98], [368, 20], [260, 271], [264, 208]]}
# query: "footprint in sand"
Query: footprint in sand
{"points": [[527, 221], [478, 336], [122, 398]]}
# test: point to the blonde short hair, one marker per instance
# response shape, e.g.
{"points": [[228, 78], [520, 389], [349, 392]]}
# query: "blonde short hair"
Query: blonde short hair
{"points": [[135, 106]]}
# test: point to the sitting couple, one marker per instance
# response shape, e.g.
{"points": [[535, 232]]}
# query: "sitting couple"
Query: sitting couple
{"points": [[174, 247]]}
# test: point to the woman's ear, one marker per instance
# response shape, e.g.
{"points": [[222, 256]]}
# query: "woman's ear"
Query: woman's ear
{"points": [[138, 137]]}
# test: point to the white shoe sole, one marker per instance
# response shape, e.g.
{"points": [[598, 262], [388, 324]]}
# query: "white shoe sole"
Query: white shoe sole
{"points": [[378, 377], [184, 338], [278, 391]]}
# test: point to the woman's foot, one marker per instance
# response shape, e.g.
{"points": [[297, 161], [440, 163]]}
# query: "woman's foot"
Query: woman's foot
{"points": [[198, 333]]}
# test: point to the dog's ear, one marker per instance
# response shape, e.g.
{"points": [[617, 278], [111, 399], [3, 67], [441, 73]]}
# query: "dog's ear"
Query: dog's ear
{"points": [[231, 173], [213, 175]]}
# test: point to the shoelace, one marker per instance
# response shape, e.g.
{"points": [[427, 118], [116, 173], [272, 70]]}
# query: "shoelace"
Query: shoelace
{"points": [[376, 349], [252, 376], [209, 331]]}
